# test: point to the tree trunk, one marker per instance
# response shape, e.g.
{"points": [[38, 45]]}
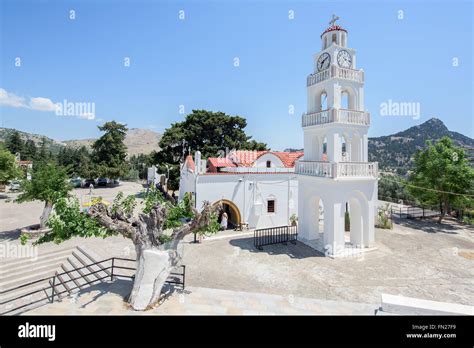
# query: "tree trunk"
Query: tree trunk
{"points": [[48, 207], [154, 266], [155, 260]]}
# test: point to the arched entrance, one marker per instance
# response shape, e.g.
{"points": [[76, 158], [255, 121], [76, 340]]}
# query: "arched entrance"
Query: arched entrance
{"points": [[233, 213]]}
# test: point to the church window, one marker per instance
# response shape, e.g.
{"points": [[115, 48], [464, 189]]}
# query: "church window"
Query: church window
{"points": [[271, 206]]}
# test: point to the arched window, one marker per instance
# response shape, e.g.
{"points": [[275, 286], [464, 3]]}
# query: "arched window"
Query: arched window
{"points": [[323, 101], [334, 38], [345, 100], [344, 154], [324, 155], [269, 164]]}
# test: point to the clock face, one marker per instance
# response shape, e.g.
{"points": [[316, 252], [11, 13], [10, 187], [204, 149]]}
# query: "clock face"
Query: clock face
{"points": [[324, 61], [344, 59]]}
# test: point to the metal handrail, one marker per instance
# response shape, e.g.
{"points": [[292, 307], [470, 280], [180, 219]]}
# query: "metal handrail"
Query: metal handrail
{"points": [[52, 281]]}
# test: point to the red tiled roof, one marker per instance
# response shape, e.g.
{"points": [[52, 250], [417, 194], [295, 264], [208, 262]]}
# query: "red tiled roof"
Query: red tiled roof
{"points": [[25, 162], [189, 163], [243, 158], [333, 28], [288, 158]]}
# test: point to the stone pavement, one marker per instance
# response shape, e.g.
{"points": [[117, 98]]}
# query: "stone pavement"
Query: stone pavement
{"points": [[107, 299]]}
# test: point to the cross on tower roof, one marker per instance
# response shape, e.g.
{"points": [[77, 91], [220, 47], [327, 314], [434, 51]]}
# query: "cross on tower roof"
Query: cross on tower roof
{"points": [[333, 20]]}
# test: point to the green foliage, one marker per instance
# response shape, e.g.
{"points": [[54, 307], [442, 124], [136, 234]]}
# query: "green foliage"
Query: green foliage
{"points": [[176, 214], [23, 239], [442, 167], [48, 183], [293, 219], [15, 143], [468, 220], [132, 175], [139, 164], [8, 167], [151, 198], [110, 152], [213, 227], [69, 221], [127, 204], [392, 187], [383, 217], [78, 161], [206, 131], [30, 152]]}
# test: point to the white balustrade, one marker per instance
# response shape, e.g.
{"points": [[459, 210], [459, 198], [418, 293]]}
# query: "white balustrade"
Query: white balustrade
{"points": [[337, 116], [337, 170], [336, 72]]}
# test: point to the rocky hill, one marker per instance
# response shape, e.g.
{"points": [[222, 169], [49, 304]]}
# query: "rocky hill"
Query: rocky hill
{"points": [[394, 152], [51, 144], [137, 141]]}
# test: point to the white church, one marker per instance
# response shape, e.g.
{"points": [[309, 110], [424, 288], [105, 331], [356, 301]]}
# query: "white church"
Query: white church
{"points": [[331, 180]]}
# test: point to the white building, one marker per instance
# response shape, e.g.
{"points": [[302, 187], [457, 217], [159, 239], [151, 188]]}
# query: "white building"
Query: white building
{"points": [[336, 124], [333, 180], [257, 188]]}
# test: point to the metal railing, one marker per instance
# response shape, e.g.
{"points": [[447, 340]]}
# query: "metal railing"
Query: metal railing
{"points": [[57, 280], [275, 235], [337, 169], [336, 72]]}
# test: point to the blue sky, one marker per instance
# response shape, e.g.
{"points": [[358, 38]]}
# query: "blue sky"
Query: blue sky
{"points": [[190, 62]]}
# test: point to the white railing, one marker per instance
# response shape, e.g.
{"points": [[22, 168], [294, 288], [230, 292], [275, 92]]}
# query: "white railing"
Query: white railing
{"points": [[336, 72], [356, 169], [314, 168], [262, 170], [321, 117], [337, 170], [337, 116]]}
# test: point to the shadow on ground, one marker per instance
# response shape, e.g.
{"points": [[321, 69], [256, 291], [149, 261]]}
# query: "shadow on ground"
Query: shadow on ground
{"points": [[432, 225], [8, 236], [295, 250]]}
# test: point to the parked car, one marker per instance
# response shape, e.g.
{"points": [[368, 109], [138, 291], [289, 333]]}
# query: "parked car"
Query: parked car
{"points": [[102, 182], [76, 182], [88, 182], [15, 185]]}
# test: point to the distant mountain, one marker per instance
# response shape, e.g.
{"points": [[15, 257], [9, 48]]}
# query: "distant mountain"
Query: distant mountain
{"points": [[137, 140], [51, 144], [394, 152]]}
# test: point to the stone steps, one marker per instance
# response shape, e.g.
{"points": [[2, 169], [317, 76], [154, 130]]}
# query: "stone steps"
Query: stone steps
{"points": [[65, 264]]}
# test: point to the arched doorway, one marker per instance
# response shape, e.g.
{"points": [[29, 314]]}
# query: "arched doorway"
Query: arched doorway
{"points": [[233, 213]]}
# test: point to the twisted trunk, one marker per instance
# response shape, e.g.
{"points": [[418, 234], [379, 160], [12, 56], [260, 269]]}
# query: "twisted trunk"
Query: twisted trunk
{"points": [[155, 260], [48, 207]]}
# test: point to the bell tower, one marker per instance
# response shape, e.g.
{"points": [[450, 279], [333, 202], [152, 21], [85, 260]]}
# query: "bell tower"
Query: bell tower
{"points": [[335, 177]]}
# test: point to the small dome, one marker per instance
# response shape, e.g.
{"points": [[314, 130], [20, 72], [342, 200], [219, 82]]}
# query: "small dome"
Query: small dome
{"points": [[333, 28]]}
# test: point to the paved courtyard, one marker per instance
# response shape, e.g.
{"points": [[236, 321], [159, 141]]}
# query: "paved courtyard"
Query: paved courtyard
{"points": [[416, 259]]}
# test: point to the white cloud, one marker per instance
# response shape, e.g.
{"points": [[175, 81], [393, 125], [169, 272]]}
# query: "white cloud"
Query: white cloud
{"points": [[87, 115], [10, 99], [42, 104]]}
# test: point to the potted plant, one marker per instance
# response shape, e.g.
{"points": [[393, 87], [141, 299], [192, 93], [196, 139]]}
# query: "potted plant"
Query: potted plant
{"points": [[48, 184], [293, 220]]}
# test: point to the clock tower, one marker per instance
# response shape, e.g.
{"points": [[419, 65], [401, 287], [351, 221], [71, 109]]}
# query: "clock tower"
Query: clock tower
{"points": [[337, 185]]}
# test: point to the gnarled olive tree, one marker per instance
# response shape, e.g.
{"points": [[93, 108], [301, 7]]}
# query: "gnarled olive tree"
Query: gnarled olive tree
{"points": [[155, 232]]}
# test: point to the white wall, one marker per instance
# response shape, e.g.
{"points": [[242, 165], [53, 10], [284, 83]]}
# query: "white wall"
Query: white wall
{"points": [[246, 190]]}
